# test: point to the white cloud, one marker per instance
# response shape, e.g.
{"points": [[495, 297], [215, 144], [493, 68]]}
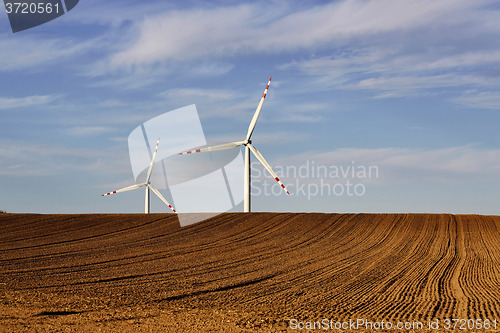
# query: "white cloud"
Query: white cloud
{"points": [[461, 164], [303, 118], [388, 48], [241, 106], [397, 86], [34, 54], [284, 111], [371, 45], [480, 100], [88, 130], [195, 93], [185, 35], [27, 159], [210, 69], [124, 12], [11, 103], [213, 102], [451, 48], [394, 73], [244, 29]]}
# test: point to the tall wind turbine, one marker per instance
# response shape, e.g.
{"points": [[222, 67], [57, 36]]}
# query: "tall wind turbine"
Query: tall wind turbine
{"points": [[248, 147], [148, 185]]}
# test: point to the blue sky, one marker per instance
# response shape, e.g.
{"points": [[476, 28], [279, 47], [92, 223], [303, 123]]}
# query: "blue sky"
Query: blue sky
{"points": [[409, 87]]}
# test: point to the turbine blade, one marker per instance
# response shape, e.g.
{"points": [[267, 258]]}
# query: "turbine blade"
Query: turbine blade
{"points": [[257, 112], [218, 147], [267, 166], [161, 197], [152, 162], [128, 188]]}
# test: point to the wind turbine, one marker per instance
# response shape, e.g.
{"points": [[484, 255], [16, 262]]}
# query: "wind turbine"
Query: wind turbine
{"points": [[148, 185], [248, 147]]}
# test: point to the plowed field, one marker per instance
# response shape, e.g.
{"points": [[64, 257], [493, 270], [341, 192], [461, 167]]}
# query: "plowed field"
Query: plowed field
{"points": [[245, 272]]}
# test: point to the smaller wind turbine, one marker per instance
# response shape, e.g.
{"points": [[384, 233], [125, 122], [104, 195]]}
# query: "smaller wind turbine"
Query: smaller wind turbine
{"points": [[248, 147], [148, 185]]}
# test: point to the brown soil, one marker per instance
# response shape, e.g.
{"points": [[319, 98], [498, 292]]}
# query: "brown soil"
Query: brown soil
{"points": [[245, 272]]}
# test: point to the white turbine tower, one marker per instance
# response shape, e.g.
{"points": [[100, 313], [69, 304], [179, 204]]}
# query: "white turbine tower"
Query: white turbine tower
{"points": [[248, 147], [148, 185]]}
